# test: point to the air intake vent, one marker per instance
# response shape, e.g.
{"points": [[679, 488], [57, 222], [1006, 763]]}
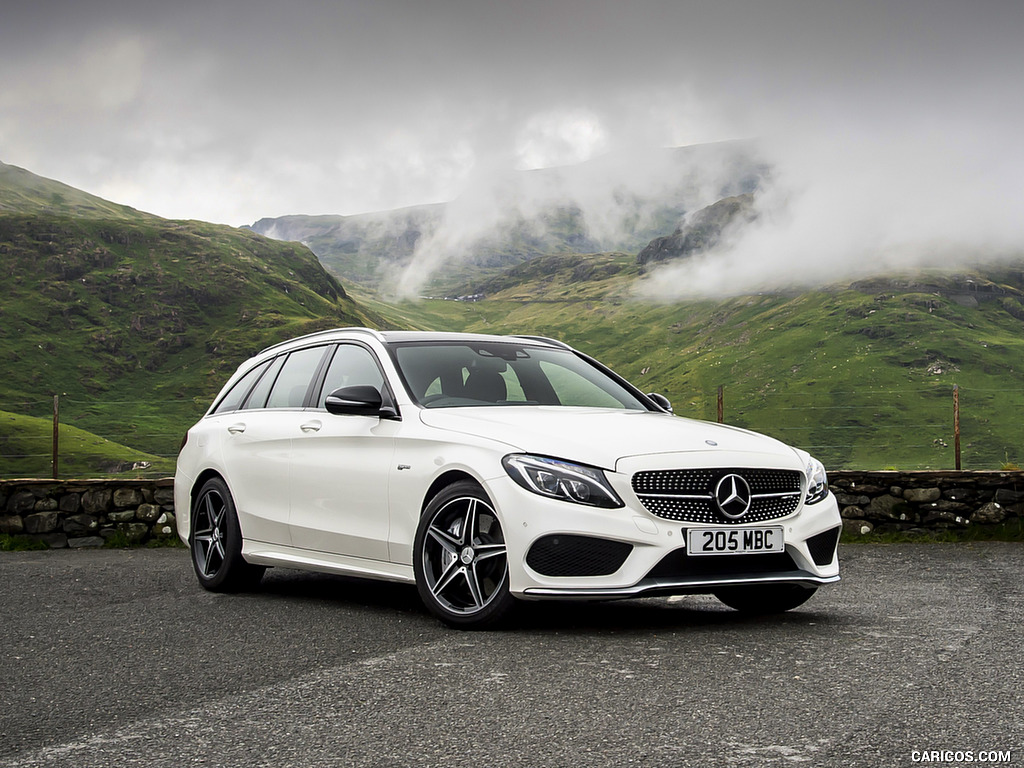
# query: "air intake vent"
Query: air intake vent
{"points": [[565, 555], [823, 546]]}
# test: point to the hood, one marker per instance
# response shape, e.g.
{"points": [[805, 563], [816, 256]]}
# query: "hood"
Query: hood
{"points": [[602, 437]]}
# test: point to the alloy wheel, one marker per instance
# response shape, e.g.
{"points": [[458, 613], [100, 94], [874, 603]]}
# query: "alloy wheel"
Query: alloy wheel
{"points": [[210, 533], [465, 565]]}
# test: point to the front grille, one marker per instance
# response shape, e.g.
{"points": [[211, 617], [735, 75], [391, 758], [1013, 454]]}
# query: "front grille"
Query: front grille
{"points": [[823, 546], [687, 495], [678, 565], [565, 555]]}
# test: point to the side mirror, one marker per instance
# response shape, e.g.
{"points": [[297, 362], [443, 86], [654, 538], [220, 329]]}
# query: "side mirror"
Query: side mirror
{"points": [[661, 401], [356, 401]]}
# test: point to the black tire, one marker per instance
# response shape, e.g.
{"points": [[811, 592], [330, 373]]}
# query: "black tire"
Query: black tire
{"points": [[216, 542], [460, 560], [763, 599]]}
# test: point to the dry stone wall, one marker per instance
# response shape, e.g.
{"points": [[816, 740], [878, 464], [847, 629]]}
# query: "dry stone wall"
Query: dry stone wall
{"points": [[88, 513], [927, 501]]}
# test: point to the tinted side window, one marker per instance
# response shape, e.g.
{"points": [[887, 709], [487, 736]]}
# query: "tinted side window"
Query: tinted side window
{"points": [[352, 365], [258, 396], [292, 383], [241, 388]]}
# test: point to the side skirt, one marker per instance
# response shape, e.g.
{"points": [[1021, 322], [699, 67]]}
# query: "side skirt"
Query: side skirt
{"points": [[261, 553]]}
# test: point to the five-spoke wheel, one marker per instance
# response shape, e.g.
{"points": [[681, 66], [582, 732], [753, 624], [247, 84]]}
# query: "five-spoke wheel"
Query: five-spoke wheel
{"points": [[460, 560], [216, 541]]}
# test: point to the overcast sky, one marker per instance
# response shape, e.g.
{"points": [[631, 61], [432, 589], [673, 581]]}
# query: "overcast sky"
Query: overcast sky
{"points": [[235, 110]]}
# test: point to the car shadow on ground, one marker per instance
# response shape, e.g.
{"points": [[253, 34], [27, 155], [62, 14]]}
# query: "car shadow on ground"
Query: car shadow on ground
{"points": [[634, 615]]}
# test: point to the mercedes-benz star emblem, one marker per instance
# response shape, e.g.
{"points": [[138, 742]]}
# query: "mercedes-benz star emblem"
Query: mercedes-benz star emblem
{"points": [[733, 496]]}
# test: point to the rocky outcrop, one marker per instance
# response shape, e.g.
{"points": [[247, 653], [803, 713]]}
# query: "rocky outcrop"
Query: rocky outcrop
{"points": [[702, 232]]}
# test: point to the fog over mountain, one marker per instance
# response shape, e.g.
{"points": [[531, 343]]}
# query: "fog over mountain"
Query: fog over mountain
{"points": [[618, 201], [846, 205]]}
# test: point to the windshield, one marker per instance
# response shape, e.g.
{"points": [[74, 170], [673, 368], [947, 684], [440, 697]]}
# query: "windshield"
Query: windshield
{"points": [[460, 374]]}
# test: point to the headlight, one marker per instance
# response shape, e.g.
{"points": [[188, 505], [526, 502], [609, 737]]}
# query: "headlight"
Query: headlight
{"points": [[561, 480], [817, 482]]}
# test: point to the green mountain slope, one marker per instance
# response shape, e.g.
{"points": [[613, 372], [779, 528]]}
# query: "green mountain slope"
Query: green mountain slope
{"points": [[861, 375], [23, 192], [136, 321]]}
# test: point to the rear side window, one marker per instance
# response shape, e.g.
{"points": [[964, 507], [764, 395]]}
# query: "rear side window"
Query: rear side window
{"points": [[233, 399], [293, 382], [258, 397]]}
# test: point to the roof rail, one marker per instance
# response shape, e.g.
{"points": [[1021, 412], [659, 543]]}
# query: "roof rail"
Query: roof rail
{"points": [[355, 329], [545, 339]]}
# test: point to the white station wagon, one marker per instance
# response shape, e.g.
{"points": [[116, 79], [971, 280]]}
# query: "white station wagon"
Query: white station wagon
{"points": [[488, 470]]}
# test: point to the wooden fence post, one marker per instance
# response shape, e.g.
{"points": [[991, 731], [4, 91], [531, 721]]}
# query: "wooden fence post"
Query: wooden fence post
{"points": [[721, 404], [956, 424], [56, 434]]}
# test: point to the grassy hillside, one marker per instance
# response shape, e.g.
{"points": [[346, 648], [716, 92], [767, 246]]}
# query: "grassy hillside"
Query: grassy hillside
{"points": [[26, 443], [23, 192], [136, 321], [860, 375]]}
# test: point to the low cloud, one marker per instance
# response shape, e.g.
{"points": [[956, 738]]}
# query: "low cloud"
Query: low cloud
{"points": [[618, 201], [866, 200]]}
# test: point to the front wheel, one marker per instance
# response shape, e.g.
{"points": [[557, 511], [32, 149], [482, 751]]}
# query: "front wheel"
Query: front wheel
{"points": [[216, 542], [460, 559], [762, 599]]}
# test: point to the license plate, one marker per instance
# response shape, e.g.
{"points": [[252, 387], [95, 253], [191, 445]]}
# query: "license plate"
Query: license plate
{"points": [[734, 541]]}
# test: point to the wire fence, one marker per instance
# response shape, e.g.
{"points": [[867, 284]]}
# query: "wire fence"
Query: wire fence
{"points": [[940, 427], [75, 437], [944, 427]]}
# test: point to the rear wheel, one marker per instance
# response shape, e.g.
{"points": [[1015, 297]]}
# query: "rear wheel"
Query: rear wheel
{"points": [[216, 542], [762, 599], [460, 559]]}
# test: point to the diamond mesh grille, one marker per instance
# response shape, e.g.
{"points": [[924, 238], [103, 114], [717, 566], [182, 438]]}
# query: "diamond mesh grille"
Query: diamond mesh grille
{"points": [[687, 495]]}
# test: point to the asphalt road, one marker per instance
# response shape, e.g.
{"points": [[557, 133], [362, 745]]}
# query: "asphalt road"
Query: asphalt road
{"points": [[117, 658]]}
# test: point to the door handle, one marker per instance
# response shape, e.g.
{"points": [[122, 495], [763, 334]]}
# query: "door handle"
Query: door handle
{"points": [[235, 429], [311, 426]]}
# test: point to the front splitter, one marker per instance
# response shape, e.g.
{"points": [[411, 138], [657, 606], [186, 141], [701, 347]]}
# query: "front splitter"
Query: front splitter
{"points": [[652, 587]]}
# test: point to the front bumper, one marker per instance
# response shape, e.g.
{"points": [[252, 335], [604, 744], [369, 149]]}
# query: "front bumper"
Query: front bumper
{"points": [[657, 562]]}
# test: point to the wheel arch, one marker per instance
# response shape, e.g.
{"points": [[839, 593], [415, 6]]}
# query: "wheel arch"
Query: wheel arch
{"points": [[442, 481], [206, 474]]}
